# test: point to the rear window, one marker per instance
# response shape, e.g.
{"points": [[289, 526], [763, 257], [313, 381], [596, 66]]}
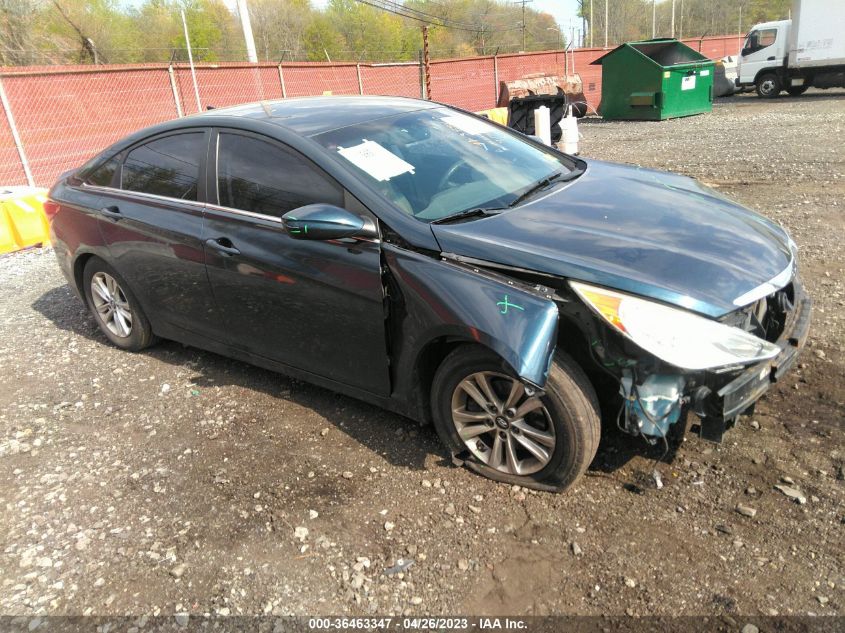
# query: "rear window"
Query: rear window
{"points": [[165, 167], [103, 176]]}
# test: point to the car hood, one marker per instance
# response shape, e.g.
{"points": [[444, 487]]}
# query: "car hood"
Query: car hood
{"points": [[647, 232]]}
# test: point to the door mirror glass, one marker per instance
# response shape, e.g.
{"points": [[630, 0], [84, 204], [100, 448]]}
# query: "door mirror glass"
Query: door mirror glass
{"points": [[321, 222]]}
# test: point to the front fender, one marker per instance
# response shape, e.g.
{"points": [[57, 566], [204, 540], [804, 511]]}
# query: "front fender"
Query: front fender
{"points": [[442, 298]]}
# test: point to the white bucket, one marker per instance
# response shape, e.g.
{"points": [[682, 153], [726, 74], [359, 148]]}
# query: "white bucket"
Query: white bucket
{"points": [[543, 124], [569, 138]]}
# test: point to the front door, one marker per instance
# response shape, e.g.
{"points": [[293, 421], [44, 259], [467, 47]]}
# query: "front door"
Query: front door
{"points": [[763, 48], [313, 305]]}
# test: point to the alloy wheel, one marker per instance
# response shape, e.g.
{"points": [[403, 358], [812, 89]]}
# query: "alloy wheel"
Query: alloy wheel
{"points": [[111, 305], [503, 424]]}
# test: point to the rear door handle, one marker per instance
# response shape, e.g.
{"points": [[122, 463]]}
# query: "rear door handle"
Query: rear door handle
{"points": [[223, 245], [112, 212]]}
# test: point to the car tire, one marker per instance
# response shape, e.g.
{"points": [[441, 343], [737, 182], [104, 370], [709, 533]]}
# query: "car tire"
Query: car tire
{"points": [[114, 307], [547, 448], [796, 91], [768, 86]]}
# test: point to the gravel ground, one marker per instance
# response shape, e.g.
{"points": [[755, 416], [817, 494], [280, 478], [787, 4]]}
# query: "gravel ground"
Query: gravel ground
{"points": [[177, 481]]}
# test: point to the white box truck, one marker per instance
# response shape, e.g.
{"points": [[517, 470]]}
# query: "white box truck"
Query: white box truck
{"points": [[793, 55]]}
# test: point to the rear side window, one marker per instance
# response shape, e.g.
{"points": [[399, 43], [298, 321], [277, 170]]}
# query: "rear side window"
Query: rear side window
{"points": [[262, 177], [168, 166], [103, 176]]}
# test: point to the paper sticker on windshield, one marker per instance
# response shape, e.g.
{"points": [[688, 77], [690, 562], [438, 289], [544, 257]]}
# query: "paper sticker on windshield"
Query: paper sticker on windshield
{"points": [[688, 82], [380, 163], [467, 124]]}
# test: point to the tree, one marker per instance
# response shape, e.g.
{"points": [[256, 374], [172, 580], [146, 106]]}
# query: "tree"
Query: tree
{"points": [[280, 27], [17, 39]]}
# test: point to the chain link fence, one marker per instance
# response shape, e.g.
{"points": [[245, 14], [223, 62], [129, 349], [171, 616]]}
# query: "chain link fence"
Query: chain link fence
{"points": [[55, 118]]}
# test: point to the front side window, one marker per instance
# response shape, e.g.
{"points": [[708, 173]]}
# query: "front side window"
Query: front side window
{"points": [[435, 162], [758, 40], [263, 177], [168, 166]]}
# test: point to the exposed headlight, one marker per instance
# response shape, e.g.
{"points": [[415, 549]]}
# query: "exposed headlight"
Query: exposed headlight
{"points": [[675, 336]]}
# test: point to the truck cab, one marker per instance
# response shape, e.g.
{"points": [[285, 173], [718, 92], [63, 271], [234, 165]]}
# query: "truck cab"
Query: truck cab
{"points": [[763, 56], [793, 55]]}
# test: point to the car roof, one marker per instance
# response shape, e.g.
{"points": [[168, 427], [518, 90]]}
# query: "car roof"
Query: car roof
{"points": [[308, 116]]}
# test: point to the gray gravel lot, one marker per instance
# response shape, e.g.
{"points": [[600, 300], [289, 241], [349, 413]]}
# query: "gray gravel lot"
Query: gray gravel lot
{"points": [[179, 481]]}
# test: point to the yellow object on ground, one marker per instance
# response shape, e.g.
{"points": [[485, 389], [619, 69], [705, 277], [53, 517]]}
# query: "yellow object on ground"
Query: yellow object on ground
{"points": [[497, 115], [22, 219]]}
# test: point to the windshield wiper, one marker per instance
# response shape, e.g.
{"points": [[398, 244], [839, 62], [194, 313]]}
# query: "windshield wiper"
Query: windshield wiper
{"points": [[467, 213], [545, 182]]}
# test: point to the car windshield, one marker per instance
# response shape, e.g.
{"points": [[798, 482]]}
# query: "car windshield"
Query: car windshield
{"points": [[439, 162]]}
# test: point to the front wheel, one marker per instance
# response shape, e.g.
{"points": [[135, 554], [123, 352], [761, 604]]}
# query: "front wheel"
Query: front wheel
{"points": [[768, 86], [505, 430]]}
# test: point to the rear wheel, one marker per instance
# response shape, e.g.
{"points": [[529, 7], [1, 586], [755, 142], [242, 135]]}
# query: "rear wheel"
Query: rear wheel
{"points": [[116, 310], [505, 430], [768, 86]]}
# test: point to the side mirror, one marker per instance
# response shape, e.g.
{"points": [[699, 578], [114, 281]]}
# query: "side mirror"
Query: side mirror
{"points": [[321, 222]]}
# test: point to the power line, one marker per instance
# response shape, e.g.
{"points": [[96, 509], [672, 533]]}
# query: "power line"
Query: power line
{"points": [[428, 18]]}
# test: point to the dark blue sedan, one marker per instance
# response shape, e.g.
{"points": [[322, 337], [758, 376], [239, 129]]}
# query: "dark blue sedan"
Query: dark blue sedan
{"points": [[440, 266]]}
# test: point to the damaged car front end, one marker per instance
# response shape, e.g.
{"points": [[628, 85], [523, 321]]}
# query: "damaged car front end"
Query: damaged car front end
{"points": [[669, 361], [683, 299]]}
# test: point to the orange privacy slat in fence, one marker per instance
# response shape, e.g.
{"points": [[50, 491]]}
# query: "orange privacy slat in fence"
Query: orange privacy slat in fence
{"points": [[65, 115]]}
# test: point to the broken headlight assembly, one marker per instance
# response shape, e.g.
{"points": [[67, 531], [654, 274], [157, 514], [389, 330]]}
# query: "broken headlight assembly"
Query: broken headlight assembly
{"points": [[675, 336]]}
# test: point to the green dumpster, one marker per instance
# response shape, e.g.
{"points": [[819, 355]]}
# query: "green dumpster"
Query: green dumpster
{"points": [[655, 80]]}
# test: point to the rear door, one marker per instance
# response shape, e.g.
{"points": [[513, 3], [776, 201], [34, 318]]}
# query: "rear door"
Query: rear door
{"points": [[313, 305], [153, 228]]}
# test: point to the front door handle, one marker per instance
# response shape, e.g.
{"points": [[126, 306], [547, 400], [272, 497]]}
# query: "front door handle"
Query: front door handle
{"points": [[770, 59], [112, 212], [223, 245]]}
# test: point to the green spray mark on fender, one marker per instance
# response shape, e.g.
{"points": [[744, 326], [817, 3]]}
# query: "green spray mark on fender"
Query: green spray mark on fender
{"points": [[505, 304]]}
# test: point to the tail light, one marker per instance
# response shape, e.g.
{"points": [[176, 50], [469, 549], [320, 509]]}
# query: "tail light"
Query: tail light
{"points": [[51, 209]]}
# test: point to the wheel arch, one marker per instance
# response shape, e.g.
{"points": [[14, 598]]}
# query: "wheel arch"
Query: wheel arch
{"points": [[79, 263], [431, 356], [773, 70]]}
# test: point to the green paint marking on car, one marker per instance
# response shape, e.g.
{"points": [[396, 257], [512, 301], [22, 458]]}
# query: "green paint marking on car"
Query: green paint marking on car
{"points": [[505, 304]]}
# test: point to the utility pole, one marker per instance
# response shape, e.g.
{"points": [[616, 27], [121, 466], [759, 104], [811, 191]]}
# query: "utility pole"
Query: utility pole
{"points": [[606, 4], [523, 3], [673, 19], [653, 19], [681, 26], [583, 26], [591, 23], [191, 61], [246, 25], [426, 63]]}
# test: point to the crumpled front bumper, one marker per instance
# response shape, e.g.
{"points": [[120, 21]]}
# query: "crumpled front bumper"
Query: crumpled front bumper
{"points": [[743, 391]]}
